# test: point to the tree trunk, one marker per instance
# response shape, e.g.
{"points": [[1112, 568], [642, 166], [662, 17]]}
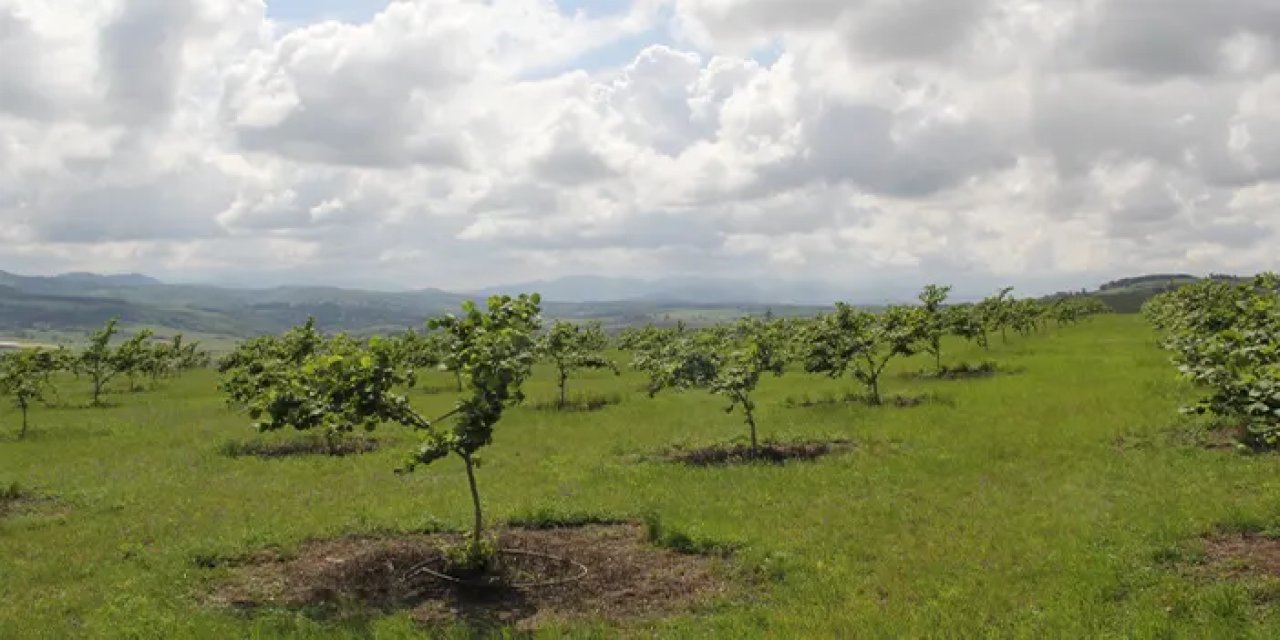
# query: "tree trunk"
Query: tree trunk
{"points": [[23, 433], [475, 499], [873, 384], [937, 356], [751, 422], [97, 389], [457, 375], [564, 378]]}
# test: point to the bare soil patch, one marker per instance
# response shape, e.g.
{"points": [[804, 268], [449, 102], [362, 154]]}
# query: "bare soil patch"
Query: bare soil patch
{"points": [[1223, 437], [1239, 555], [1230, 437], [15, 501], [626, 578], [770, 452], [309, 446]]}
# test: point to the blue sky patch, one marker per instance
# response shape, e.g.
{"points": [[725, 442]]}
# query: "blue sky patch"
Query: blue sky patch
{"points": [[307, 11]]}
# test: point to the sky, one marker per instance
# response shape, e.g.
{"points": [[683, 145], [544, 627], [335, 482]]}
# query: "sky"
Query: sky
{"points": [[464, 143]]}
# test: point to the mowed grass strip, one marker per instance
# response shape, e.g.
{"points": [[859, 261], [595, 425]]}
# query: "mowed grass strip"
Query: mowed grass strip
{"points": [[1041, 503]]}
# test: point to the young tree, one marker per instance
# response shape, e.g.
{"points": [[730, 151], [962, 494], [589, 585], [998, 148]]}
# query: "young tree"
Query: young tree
{"points": [[849, 340], [98, 360], [495, 349], [26, 377], [571, 347], [638, 340], [996, 312], [1026, 315], [256, 364], [340, 385], [933, 321], [187, 355], [417, 350], [965, 321], [135, 356], [160, 362], [431, 350], [1226, 337], [174, 356], [728, 364], [337, 387]]}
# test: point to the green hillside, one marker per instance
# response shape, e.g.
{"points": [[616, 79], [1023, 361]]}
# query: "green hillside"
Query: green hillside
{"points": [[1127, 295]]}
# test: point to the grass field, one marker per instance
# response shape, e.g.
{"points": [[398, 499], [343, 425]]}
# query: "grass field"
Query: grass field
{"points": [[1065, 500]]}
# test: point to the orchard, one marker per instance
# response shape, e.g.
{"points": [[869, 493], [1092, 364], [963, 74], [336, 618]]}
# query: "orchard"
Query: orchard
{"points": [[441, 479]]}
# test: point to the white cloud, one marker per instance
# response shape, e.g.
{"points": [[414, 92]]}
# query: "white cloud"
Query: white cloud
{"points": [[1025, 140]]}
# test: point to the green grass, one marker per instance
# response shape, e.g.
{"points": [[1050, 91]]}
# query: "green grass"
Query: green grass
{"points": [[1046, 503]]}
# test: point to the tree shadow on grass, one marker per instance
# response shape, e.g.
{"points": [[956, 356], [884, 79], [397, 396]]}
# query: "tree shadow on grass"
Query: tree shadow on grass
{"points": [[828, 399], [81, 405], [41, 432], [581, 403], [437, 389], [307, 446], [962, 371]]}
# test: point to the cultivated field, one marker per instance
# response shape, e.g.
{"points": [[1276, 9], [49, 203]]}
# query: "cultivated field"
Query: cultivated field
{"points": [[1063, 497]]}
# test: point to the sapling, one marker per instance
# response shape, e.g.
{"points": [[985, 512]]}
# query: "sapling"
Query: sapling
{"points": [[134, 356], [1027, 315], [26, 377], [98, 360], [1227, 339], [175, 356], [645, 339], [679, 360], [430, 350], [340, 387], [759, 349], [189, 355], [495, 349], [417, 351], [933, 320], [965, 321], [571, 347], [727, 363], [861, 343], [996, 312], [253, 367]]}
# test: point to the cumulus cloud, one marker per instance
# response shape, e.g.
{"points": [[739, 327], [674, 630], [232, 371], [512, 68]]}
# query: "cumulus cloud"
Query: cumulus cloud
{"points": [[862, 140]]}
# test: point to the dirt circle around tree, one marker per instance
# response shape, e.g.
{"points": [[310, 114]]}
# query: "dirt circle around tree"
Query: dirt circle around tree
{"points": [[610, 573], [1238, 555], [15, 502], [766, 452]]}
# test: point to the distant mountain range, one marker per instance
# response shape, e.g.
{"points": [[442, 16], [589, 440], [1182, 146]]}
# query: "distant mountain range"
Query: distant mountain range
{"points": [[76, 302]]}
